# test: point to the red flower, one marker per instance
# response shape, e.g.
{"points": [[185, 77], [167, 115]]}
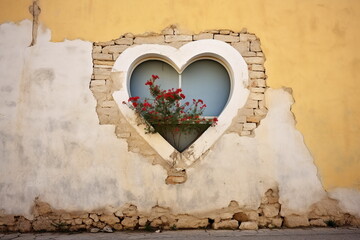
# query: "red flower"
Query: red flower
{"points": [[134, 99], [200, 101], [155, 77], [149, 83], [187, 103], [146, 104], [182, 96], [135, 104]]}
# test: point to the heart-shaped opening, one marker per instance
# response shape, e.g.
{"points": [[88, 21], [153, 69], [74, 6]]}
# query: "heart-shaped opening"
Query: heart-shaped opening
{"points": [[179, 59], [203, 79]]}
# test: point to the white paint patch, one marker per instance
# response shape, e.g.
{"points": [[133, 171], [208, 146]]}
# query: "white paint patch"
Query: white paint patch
{"points": [[349, 200], [53, 147]]}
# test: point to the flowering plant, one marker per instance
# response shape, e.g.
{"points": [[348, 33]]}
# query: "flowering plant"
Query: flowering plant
{"points": [[167, 109]]}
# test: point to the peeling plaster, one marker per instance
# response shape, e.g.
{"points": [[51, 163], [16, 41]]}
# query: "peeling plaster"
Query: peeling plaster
{"points": [[53, 147]]}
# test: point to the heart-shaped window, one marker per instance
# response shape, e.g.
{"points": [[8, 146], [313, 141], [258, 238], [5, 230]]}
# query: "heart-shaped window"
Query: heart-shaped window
{"points": [[208, 69], [203, 79]]}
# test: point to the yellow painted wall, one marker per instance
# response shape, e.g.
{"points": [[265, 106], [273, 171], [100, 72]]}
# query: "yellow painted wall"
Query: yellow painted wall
{"points": [[312, 46]]}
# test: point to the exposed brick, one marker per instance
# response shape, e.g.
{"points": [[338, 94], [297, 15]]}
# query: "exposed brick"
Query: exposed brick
{"points": [[203, 36], [249, 126], [226, 38], [257, 90], [247, 37], [257, 96], [255, 46], [114, 49], [254, 74], [254, 60], [178, 38], [109, 63], [225, 32], [124, 41], [108, 43], [242, 47], [252, 104], [257, 67], [96, 49], [149, 39], [101, 56]]}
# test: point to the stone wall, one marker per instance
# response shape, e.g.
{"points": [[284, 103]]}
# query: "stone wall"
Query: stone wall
{"points": [[248, 45], [128, 217]]}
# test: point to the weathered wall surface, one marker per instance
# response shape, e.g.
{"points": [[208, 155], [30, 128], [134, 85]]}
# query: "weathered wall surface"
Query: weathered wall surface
{"points": [[311, 46], [53, 148]]}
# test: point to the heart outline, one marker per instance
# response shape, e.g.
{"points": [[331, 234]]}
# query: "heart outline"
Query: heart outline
{"points": [[179, 59]]}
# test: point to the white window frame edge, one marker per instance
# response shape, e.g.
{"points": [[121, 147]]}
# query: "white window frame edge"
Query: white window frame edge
{"points": [[179, 59]]}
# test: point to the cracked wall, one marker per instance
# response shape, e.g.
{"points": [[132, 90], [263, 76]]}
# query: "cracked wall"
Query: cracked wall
{"points": [[53, 147]]}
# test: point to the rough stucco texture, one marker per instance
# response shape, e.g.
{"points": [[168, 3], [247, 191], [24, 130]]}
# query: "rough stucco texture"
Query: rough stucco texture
{"points": [[53, 147], [310, 45]]}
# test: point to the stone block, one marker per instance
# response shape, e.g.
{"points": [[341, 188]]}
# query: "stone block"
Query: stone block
{"points": [[102, 56], [203, 36], [262, 104], [88, 221], [296, 221], [249, 126], [156, 223], [255, 46], [277, 222], [99, 62], [252, 104], [254, 60], [261, 111], [317, 223], [124, 41], [241, 217], [100, 77], [108, 43], [102, 71], [242, 47], [255, 74], [257, 67], [118, 227], [226, 38], [257, 90], [168, 31], [257, 96], [109, 219], [95, 83], [271, 210], [130, 211], [226, 215], [225, 32], [149, 39], [178, 38], [254, 119], [186, 221], [114, 49], [226, 224], [248, 226], [129, 223], [7, 220], [96, 49], [175, 179], [142, 221], [41, 208], [23, 225], [247, 37], [43, 224], [103, 66], [260, 54]]}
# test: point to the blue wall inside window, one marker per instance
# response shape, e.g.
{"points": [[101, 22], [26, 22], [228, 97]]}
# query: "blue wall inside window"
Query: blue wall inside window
{"points": [[204, 79]]}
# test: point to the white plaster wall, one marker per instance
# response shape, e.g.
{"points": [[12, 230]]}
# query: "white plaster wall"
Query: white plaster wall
{"points": [[53, 147]]}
